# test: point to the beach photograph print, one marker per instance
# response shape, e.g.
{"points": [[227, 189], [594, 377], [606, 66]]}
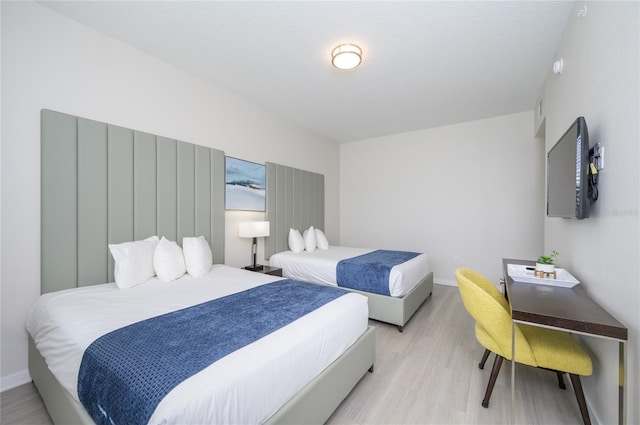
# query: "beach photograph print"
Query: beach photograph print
{"points": [[245, 185]]}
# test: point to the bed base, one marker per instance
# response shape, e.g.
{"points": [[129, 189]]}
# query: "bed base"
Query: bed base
{"points": [[314, 404], [398, 311]]}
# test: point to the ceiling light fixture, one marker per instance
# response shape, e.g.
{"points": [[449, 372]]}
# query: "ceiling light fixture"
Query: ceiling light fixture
{"points": [[346, 56]]}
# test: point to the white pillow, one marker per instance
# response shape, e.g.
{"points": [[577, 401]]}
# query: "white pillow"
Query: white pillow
{"points": [[133, 262], [321, 240], [296, 243], [309, 237], [168, 260], [197, 256]]}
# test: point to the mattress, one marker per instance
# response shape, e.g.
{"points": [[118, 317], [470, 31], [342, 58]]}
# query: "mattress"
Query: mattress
{"points": [[247, 386], [319, 266]]}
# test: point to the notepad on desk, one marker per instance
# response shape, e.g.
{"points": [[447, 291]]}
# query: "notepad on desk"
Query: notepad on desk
{"points": [[520, 273]]}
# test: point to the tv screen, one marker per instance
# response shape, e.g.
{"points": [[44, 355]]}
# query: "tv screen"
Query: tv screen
{"points": [[568, 174]]}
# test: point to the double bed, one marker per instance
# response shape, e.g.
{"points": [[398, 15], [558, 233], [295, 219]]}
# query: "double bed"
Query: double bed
{"points": [[409, 284], [250, 385], [103, 184], [295, 200]]}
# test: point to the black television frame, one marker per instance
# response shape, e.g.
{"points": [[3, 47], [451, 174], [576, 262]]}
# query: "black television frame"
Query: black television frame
{"points": [[559, 189]]}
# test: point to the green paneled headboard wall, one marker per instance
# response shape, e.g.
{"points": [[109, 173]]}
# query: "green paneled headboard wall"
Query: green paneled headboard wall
{"points": [[295, 199], [103, 184]]}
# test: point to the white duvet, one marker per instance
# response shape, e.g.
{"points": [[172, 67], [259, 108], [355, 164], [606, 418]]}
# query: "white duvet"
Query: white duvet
{"points": [[245, 387], [320, 265]]}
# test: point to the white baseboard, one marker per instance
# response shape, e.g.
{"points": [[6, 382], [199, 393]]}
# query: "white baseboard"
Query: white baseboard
{"points": [[15, 380], [446, 282]]}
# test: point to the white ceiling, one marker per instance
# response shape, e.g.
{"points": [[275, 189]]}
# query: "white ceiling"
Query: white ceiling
{"points": [[425, 63]]}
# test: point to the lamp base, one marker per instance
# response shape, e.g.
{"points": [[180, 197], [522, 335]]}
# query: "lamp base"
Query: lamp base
{"points": [[254, 268]]}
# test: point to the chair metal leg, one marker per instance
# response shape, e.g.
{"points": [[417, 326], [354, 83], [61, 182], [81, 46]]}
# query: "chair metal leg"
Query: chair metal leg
{"points": [[577, 388], [561, 380], [485, 356], [492, 379]]}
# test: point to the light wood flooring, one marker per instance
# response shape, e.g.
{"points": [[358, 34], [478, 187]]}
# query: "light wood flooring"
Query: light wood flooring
{"points": [[427, 375]]}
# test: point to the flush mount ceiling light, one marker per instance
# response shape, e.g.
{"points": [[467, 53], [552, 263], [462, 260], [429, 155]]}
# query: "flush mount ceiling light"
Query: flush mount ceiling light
{"points": [[346, 56]]}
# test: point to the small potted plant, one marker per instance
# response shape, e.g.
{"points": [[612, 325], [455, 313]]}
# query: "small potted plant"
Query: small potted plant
{"points": [[546, 263]]}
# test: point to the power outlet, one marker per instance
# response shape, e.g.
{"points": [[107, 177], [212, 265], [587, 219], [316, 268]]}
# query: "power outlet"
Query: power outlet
{"points": [[597, 156], [456, 261]]}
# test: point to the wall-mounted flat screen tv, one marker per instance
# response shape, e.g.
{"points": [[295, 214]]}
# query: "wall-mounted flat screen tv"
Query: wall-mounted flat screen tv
{"points": [[568, 174]]}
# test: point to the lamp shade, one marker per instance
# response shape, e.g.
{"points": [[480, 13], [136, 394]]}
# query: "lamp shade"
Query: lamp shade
{"points": [[253, 229]]}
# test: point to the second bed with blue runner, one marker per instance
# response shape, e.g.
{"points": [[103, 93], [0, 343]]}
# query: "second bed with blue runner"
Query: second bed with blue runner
{"points": [[126, 373], [370, 272]]}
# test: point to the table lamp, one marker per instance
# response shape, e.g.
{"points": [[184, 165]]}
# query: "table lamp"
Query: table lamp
{"points": [[255, 230]]}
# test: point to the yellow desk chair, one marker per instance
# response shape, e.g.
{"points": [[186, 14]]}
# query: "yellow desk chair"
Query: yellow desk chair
{"points": [[537, 347]]}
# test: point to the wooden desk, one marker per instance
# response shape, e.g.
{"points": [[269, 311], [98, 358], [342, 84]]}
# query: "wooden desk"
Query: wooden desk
{"points": [[565, 309]]}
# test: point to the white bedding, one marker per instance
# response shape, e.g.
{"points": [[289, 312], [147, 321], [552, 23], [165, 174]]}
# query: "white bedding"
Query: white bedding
{"points": [[319, 266], [245, 387]]}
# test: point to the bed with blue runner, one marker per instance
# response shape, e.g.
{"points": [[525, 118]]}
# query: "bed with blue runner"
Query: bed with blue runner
{"points": [[370, 272], [126, 373]]}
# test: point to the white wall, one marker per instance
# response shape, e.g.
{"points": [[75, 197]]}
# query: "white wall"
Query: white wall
{"points": [[472, 190], [600, 81], [49, 61]]}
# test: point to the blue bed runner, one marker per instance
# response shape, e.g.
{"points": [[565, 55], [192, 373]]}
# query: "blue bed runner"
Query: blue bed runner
{"points": [[370, 272], [126, 373]]}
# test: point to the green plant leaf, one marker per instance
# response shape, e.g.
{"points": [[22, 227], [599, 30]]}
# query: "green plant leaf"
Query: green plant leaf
{"points": [[548, 259]]}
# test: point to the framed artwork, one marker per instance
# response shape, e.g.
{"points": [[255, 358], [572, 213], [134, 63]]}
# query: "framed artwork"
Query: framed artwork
{"points": [[245, 185]]}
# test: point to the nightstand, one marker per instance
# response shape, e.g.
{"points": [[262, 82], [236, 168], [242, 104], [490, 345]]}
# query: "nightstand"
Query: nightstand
{"points": [[273, 271]]}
